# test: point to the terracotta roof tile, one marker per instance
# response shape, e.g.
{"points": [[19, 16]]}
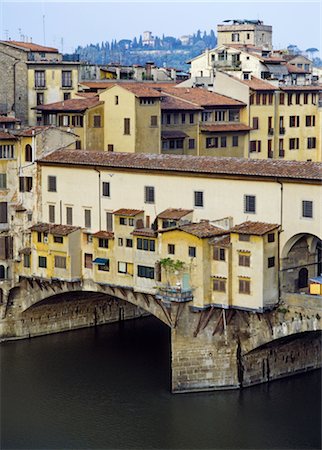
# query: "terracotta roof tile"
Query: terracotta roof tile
{"points": [[4, 135], [225, 127], [30, 131], [6, 119], [301, 88], [104, 84], [128, 212], [294, 69], [259, 85], [32, 47], [202, 97], [60, 230], [104, 234], [221, 241], [202, 229], [174, 213], [170, 103], [256, 228], [148, 232], [206, 165], [25, 251], [73, 105]]}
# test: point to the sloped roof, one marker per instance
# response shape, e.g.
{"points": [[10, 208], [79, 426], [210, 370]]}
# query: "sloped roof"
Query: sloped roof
{"points": [[225, 127], [104, 234], [72, 105], [202, 97], [170, 103], [60, 230], [6, 119], [4, 135], [174, 213], [128, 212], [256, 228], [259, 85], [29, 46]]}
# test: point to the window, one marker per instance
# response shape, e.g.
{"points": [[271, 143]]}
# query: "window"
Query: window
{"points": [[88, 260], [87, 218], [129, 243], [264, 97], [3, 212], [69, 215], [116, 99], [271, 237], [244, 286], [42, 262], [103, 243], [198, 199], [104, 267], [212, 142], [51, 213], [289, 99], [126, 126], [307, 209], [120, 242], [250, 204], [172, 144], [297, 98], [89, 238], [282, 99], [28, 153], [77, 121], [169, 223], [271, 261], [3, 181], [39, 237], [58, 239], [310, 121], [25, 184], [154, 121], [205, 116], [223, 141], [97, 121], [191, 118], [235, 141], [255, 123], [146, 244], [192, 252], [311, 142], [306, 98], [191, 143], [106, 189], [258, 99], [110, 148], [270, 99], [122, 267], [246, 77], [233, 115], [67, 95], [183, 118], [175, 118], [219, 285], [40, 98], [131, 222], [244, 237], [219, 254], [294, 143], [146, 272], [255, 146], [149, 194], [60, 262], [220, 116], [40, 79], [52, 183], [7, 151], [109, 221], [123, 221], [244, 259], [171, 249], [294, 121], [66, 78], [235, 37], [26, 260]]}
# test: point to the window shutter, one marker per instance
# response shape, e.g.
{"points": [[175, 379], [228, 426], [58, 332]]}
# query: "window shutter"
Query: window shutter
{"points": [[3, 212]]}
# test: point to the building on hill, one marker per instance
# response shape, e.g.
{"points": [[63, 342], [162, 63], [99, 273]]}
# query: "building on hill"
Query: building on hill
{"points": [[246, 32], [31, 75]]}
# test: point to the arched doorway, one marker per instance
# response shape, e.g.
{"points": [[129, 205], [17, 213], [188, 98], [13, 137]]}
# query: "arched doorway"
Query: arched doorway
{"points": [[28, 153], [303, 279]]}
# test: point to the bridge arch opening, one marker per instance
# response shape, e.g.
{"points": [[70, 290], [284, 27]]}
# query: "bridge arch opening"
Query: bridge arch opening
{"points": [[301, 260]]}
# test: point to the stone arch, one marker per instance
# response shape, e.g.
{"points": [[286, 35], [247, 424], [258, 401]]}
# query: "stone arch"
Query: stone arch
{"points": [[44, 290], [301, 251]]}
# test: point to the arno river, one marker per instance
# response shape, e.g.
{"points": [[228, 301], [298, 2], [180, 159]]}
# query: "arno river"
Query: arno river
{"points": [[109, 388]]}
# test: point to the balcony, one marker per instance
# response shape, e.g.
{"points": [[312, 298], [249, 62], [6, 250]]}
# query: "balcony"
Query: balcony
{"points": [[227, 64], [174, 294], [271, 131], [282, 130], [270, 154], [281, 153]]}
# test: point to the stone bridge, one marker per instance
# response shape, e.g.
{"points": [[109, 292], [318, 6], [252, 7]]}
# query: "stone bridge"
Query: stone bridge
{"points": [[211, 349]]}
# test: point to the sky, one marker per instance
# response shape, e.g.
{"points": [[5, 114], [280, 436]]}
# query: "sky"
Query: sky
{"points": [[71, 23]]}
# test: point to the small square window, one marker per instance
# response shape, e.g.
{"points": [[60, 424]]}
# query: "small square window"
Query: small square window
{"points": [[192, 252], [271, 237], [42, 262], [271, 261], [131, 222], [123, 221], [171, 249], [129, 243]]}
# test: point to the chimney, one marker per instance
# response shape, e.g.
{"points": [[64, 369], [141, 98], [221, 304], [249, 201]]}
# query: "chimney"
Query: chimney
{"points": [[148, 67]]}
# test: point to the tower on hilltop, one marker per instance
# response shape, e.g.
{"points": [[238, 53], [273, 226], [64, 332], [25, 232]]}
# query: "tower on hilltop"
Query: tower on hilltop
{"points": [[245, 32]]}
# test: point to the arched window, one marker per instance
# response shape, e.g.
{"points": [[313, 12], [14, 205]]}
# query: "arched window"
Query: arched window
{"points": [[28, 153], [2, 273], [303, 278]]}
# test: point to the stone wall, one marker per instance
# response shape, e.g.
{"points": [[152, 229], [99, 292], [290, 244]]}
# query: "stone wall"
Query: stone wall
{"points": [[73, 311]]}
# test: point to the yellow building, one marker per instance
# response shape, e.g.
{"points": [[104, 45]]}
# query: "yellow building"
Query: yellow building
{"points": [[132, 118], [84, 116], [55, 253]]}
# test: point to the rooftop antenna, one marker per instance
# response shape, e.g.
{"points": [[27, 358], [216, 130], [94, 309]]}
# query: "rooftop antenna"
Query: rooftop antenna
{"points": [[20, 35], [44, 28], [6, 32], [62, 44]]}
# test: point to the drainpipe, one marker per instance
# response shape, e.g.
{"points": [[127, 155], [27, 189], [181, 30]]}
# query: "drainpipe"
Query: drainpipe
{"points": [[278, 241], [99, 199]]}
